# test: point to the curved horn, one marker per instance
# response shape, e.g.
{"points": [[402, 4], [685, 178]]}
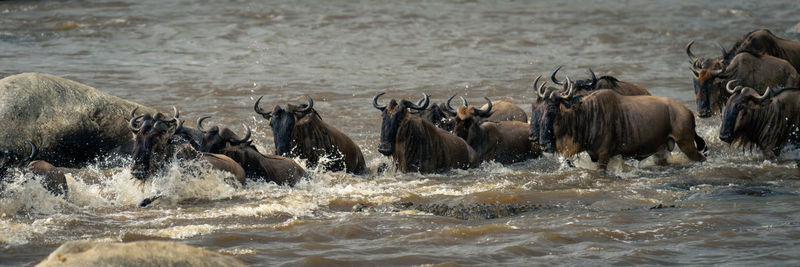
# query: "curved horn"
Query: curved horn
{"points": [[200, 124], [134, 128], [463, 100], [245, 138], [449, 108], [540, 91], [728, 87], [261, 111], [694, 72], [553, 77], [536, 82], [426, 99], [570, 90], [34, 151], [309, 106], [180, 125], [594, 78], [689, 51], [133, 113], [765, 95], [488, 111], [175, 114], [375, 101]]}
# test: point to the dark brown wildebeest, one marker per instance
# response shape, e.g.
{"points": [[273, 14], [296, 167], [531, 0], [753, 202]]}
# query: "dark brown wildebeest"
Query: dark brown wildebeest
{"points": [[52, 178], [415, 144], [604, 82], [764, 41], [770, 120], [257, 166], [441, 115], [155, 144], [299, 131], [604, 124], [750, 69], [505, 142]]}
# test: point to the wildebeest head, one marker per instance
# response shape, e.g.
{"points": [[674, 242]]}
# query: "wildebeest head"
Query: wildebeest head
{"points": [[738, 111], [707, 73], [9, 159], [282, 120], [537, 107], [151, 140], [553, 104], [441, 115], [393, 114], [468, 116], [216, 139]]}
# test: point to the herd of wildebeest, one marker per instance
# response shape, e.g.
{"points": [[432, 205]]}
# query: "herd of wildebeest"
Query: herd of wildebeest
{"points": [[753, 87]]}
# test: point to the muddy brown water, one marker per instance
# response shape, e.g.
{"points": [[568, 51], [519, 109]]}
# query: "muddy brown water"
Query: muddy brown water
{"points": [[216, 57]]}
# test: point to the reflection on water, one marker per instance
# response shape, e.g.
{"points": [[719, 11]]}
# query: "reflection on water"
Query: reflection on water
{"points": [[216, 58]]}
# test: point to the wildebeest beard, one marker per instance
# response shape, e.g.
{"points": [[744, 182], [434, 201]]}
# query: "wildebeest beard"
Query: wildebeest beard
{"points": [[155, 142]]}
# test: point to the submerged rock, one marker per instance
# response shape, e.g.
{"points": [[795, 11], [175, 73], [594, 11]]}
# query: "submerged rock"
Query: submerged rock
{"points": [[140, 253], [69, 122], [461, 211]]}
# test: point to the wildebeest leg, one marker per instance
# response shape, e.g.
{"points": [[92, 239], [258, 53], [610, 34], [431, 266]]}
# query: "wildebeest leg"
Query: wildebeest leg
{"points": [[687, 145], [660, 157], [602, 162]]}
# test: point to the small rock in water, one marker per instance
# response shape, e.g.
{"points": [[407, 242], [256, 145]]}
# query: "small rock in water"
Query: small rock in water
{"points": [[795, 28], [141, 253]]}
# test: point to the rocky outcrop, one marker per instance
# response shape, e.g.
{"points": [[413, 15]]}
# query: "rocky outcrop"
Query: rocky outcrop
{"points": [[140, 253], [463, 212], [69, 122]]}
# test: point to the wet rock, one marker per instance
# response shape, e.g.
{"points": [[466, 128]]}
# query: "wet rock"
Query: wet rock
{"points": [[140, 253], [461, 211], [69, 122]]}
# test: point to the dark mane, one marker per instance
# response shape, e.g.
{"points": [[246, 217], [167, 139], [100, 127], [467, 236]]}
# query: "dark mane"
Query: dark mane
{"points": [[611, 79], [312, 138], [592, 120], [769, 127]]}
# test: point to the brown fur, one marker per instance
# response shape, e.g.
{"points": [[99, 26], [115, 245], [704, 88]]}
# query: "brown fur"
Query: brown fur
{"points": [[606, 124], [505, 142], [314, 139], [622, 88], [217, 161], [418, 146], [764, 41], [769, 125], [505, 111], [281, 170], [53, 178]]}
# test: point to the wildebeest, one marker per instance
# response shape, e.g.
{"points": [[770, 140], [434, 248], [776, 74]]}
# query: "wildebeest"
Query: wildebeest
{"points": [[441, 115], [52, 178], [750, 69], [299, 131], [257, 166], [415, 144], [769, 121], [604, 82], [155, 144], [504, 141], [605, 124], [764, 41]]}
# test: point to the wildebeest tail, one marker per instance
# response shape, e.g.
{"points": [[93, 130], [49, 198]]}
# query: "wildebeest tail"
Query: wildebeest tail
{"points": [[701, 144]]}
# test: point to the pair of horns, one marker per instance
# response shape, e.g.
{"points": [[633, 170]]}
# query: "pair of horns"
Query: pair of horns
{"points": [[568, 87], [421, 105], [268, 114], [556, 81], [760, 98], [133, 120], [691, 55], [232, 140], [480, 112]]}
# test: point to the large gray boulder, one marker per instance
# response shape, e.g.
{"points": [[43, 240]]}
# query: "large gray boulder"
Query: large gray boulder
{"points": [[69, 122], [140, 253]]}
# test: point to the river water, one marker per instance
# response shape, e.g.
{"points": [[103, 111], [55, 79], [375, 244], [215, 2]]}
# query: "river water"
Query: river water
{"points": [[216, 57]]}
